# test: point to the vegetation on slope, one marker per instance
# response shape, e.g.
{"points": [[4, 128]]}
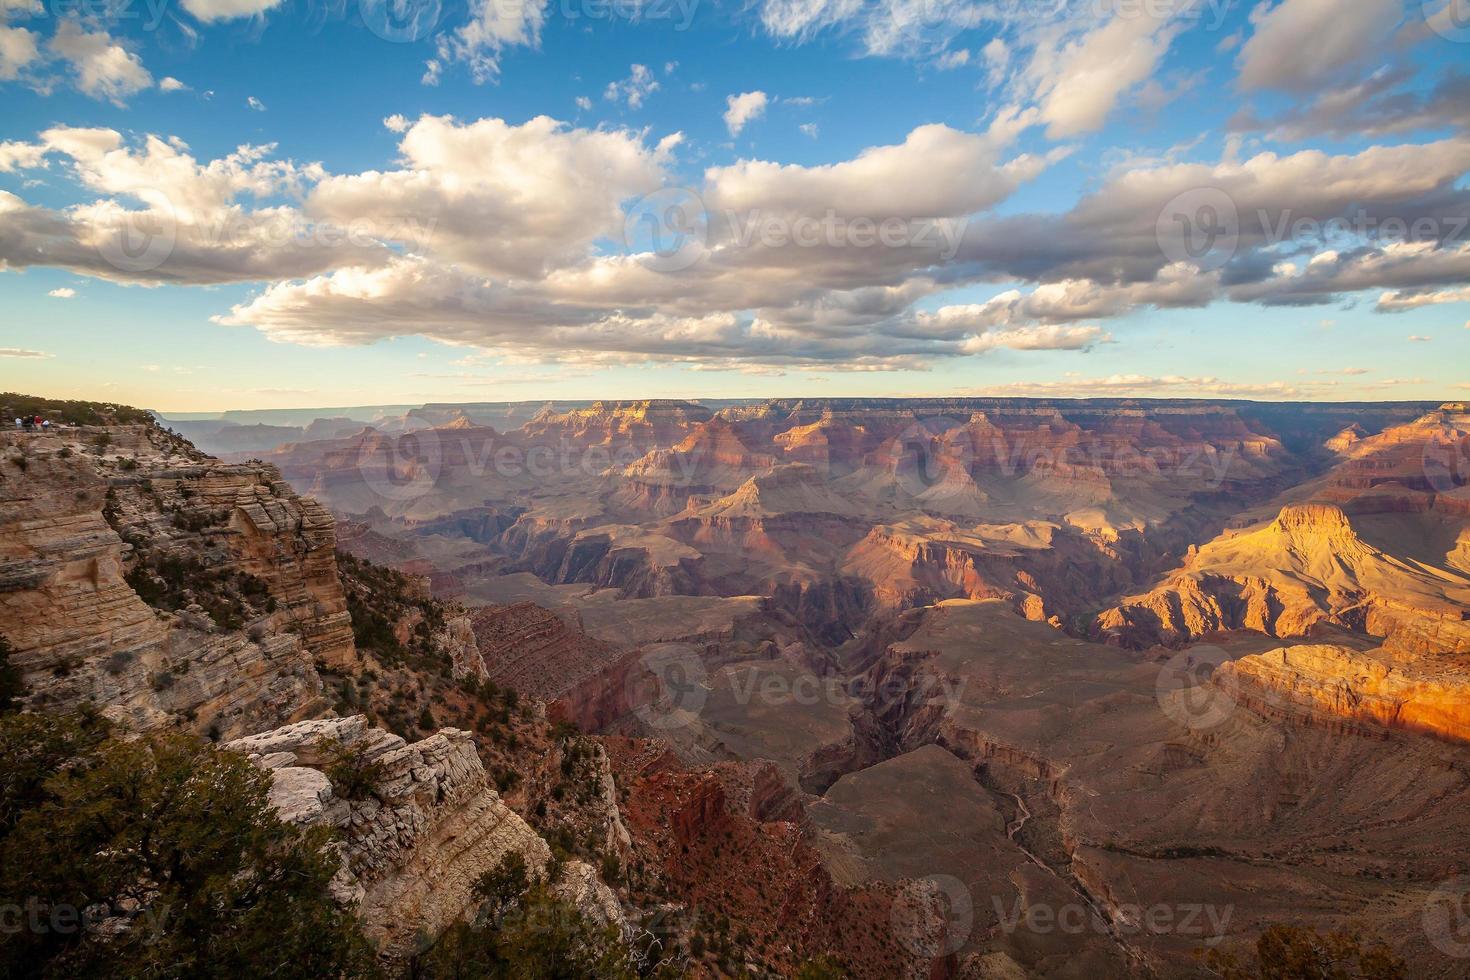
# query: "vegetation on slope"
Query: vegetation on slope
{"points": [[157, 857], [14, 405]]}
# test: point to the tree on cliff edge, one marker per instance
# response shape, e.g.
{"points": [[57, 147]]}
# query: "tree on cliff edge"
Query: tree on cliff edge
{"points": [[156, 857]]}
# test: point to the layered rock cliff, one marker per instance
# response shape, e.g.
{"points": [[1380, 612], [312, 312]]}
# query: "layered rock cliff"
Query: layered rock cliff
{"points": [[1335, 686], [418, 837], [141, 575], [1307, 568]]}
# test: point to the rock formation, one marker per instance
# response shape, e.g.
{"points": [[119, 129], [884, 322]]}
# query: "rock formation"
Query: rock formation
{"points": [[240, 573], [419, 837]]}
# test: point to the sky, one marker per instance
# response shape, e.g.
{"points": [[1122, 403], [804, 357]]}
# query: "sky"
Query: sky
{"points": [[225, 204]]}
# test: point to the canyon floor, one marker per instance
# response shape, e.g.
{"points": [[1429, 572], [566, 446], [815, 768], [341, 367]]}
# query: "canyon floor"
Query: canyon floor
{"points": [[969, 687]]}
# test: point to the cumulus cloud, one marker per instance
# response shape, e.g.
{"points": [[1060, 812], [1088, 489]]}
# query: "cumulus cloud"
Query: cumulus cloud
{"points": [[102, 68], [494, 25], [1398, 301], [509, 237], [210, 11], [171, 84], [63, 292], [499, 197], [632, 90], [191, 220], [1380, 105], [741, 109], [1297, 45], [18, 51], [17, 155], [1411, 267], [1080, 84], [936, 171]]}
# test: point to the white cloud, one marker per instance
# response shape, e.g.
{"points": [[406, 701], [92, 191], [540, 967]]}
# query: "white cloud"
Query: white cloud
{"points": [[632, 90], [103, 68], [1080, 84], [15, 155], [1396, 301], [584, 103], [20, 352], [951, 60], [171, 84], [18, 51], [741, 109], [254, 103], [62, 292], [809, 129], [500, 197], [1297, 45], [210, 11], [494, 26], [1049, 337], [935, 172]]}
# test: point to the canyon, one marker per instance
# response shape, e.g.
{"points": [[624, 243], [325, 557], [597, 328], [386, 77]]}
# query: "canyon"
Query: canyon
{"points": [[980, 687]]}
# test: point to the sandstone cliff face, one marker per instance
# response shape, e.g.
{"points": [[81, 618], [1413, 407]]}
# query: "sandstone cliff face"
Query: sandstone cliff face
{"points": [[418, 841], [1334, 685], [239, 571], [1306, 568]]}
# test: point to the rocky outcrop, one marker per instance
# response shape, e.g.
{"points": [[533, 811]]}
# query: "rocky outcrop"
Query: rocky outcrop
{"points": [[1337, 685], [141, 575], [419, 838], [1307, 568], [535, 650]]}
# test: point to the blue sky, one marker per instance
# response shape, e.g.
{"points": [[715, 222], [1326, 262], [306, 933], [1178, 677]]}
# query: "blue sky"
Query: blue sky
{"points": [[314, 215]]}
